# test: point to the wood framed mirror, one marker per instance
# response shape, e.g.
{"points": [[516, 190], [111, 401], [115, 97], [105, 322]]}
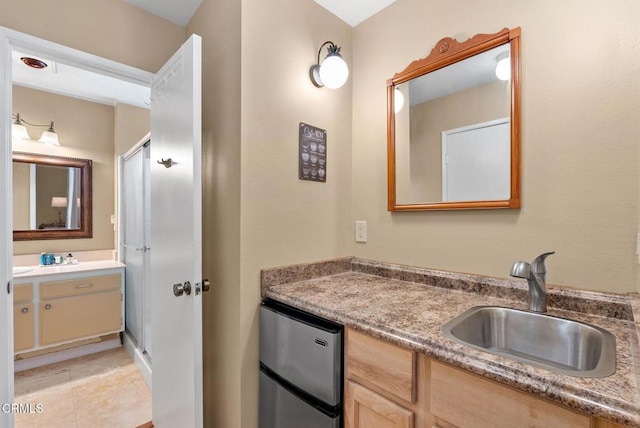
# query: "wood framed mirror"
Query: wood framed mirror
{"points": [[453, 126], [42, 188]]}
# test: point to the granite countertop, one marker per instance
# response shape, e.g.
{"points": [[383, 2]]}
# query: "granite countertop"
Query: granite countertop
{"points": [[67, 268], [407, 306]]}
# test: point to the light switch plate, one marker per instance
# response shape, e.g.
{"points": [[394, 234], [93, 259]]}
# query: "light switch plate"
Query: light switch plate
{"points": [[361, 231]]}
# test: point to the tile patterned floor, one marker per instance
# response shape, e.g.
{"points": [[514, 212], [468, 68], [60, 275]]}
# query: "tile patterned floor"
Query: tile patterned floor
{"points": [[99, 390]]}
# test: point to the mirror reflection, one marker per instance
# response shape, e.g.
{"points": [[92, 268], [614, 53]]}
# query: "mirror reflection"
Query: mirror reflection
{"points": [[41, 196], [51, 197], [453, 133], [453, 126]]}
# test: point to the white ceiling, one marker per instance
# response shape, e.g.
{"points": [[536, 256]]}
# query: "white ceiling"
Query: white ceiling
{"points": [[180, 12], [354, 12], [177, 11]]}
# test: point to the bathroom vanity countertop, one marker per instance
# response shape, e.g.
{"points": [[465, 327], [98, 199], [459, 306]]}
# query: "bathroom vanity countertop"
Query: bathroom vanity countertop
{"points": [[408, 306], [36, 271]]}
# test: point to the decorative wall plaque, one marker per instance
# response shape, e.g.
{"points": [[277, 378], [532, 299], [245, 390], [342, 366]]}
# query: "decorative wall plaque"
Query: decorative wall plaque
{"points": [[312, 159]]}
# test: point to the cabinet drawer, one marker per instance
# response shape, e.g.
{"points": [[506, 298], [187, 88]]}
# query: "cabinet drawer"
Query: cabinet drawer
{"points": [[22, 293], [23, 323], [365, 408], [383, 365], [80, 316], [73, 287], [468, 400]]}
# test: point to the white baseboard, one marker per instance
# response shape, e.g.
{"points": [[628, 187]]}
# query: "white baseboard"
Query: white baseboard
{"points": [[143, 365], [66, 354]]}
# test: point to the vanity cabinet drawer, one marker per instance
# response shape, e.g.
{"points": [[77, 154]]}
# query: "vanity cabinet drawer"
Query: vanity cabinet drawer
{"points": [[23, 323], [22, 293], [467, 400], [383, 365], [79, 317], [73, 287]]}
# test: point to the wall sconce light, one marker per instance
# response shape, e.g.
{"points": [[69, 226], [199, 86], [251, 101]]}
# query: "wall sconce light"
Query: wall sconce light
{"points": [[503, 67], [333, 71], [19, 131]]}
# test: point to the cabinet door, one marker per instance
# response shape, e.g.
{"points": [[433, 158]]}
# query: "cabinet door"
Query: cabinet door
{"points": [[378, 364], [469, 401], [78, 317], [366, 409], [23, 327]]}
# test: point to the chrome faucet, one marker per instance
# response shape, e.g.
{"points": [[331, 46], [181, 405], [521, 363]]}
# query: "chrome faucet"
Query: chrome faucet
{"points": [[535, 274]]}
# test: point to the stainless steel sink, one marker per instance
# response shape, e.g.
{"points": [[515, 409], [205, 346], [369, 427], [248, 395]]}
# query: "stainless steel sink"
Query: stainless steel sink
{"points": [[558, 345]]}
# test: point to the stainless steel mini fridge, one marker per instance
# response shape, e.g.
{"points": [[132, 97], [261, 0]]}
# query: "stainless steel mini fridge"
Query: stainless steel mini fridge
{"points": [[300, 369]]}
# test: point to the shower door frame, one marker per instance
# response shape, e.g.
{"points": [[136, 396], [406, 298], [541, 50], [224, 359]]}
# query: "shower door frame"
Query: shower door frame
{"points": [[141, 342]]}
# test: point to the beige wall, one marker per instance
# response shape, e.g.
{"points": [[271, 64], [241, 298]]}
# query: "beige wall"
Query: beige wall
{"points": [[130, 125], [218, 22], [286, 220], [580, 62], [85, 130], [257, 212], [112, 29]]}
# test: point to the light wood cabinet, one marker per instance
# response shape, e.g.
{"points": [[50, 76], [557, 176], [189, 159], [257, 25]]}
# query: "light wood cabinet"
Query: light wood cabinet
{"points": [[364, 409], [52, 310], [382, 364], [466, 400], [390, 386]]}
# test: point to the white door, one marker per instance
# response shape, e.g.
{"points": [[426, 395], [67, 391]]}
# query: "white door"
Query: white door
{"points": [[176, 239], [6, 237], [476, 162]]}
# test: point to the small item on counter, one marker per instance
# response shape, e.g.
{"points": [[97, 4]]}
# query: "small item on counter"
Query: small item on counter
{"points": [[43, 259], [58, 259], [50, 259], [69, 259]]}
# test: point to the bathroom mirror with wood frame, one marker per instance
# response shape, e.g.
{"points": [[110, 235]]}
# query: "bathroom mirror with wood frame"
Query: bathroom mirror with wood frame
{"points": [[453, 126], [43, 185]]}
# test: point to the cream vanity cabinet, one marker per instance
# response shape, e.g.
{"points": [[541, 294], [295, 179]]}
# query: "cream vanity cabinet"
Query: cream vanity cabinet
{"points": [[387, 386], [55, 309], [23, 317]]}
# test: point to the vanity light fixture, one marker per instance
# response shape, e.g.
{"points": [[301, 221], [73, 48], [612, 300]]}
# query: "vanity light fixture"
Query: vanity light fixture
{"points": [[503, 67], [333, 72], [19, 131]]}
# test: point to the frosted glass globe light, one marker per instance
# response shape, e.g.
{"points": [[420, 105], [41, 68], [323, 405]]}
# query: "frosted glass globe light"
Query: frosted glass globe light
{"points": [[503, 69], [398, 100], [333, 71], [49, 136], [19, 132]]}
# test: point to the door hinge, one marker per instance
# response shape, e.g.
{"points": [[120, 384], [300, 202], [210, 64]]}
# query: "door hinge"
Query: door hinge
{"points": [[9, 287]]}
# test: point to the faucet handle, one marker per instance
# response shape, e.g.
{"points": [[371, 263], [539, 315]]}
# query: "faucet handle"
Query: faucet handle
{"points": [[537, 265]]}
